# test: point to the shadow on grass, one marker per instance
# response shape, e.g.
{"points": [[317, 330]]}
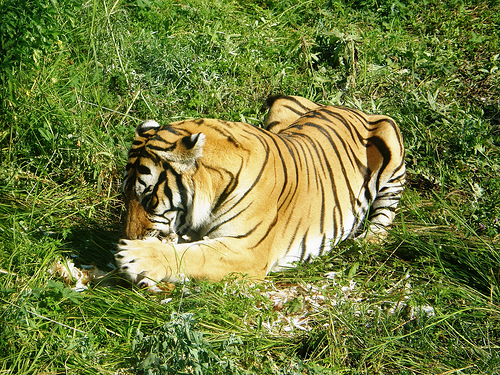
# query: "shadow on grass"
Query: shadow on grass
{"points": [[463, 260], [94, 245]]}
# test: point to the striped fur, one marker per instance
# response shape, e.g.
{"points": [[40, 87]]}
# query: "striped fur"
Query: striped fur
{"points": [[254, 200], [285, 110]]}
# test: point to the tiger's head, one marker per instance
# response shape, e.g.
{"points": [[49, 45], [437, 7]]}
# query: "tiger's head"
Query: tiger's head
{"points": [[158, 184]]}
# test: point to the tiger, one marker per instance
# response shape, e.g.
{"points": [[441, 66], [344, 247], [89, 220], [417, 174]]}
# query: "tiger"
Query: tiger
{"points": [[207, 198], [285, 110]]}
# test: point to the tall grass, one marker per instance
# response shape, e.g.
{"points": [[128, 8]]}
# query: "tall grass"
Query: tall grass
{"points": [[78, 77]]}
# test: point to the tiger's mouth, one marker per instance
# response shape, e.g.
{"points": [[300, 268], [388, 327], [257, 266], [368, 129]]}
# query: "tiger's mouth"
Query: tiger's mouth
{"points": [[162, 235], [167, 237]]}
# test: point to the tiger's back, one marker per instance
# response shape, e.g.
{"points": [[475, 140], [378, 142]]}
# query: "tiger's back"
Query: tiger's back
{"points": [[265, 199]]}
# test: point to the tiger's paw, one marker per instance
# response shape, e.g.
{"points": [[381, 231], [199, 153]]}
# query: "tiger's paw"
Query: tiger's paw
{"points": [[147, 262]]}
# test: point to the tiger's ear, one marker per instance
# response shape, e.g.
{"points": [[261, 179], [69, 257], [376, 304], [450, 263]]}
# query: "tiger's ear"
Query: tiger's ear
{"points": [[146, 129], [193, 145], [143, 134], [187, 150]]}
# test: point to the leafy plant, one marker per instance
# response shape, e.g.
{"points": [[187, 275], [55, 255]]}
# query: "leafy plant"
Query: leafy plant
{"points": [[31, 29], [178, 348]]}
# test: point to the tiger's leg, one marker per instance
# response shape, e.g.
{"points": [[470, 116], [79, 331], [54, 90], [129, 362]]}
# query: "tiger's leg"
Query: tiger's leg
{"points": [[387, 158], [383, 208], [149, 261]]}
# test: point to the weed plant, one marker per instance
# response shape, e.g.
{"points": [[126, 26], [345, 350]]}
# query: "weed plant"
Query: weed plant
{"points": [[77, 77]]}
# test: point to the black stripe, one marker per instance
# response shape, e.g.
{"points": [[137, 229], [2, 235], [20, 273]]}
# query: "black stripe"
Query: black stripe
{"points": [[322, 247], [215, 227], [298, 112], [221, 127], [381, 146], [173, 129], [146, 132], [330, 139], [222, 198], [181, 190], [161, 148], [330, 174], [142, 169], [247, 233], [292, 240], [303, 247], [323, 209], [271, 124]]}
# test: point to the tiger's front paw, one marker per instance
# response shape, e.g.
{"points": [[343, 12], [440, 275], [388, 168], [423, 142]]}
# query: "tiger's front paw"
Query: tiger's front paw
{"points": [[147, 262]]}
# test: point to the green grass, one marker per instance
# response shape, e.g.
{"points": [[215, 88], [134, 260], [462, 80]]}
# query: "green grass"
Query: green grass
{"points": [[78, 77]]}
